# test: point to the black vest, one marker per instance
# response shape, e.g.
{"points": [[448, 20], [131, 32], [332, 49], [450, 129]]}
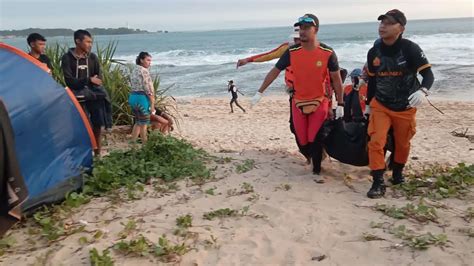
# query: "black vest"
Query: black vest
{"points": [[395, 80]]}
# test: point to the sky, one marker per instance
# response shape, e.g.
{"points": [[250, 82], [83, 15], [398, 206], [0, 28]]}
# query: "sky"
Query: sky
{"points": [[186, 15]]}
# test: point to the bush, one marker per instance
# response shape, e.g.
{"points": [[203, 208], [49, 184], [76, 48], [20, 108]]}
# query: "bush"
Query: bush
{"points": [[161, 156]]}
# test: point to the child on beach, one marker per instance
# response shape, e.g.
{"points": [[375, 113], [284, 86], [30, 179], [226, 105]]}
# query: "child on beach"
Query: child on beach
{"points": [[233, 90]]}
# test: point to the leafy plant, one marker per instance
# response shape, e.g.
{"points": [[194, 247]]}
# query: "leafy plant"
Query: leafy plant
{"points": [[100, 260], [227, 212], [469, 214], [138, 247], [371, 237], [6, 243], [420, 212], [220, 213], [74, 199], [439, 182], [247, 165], [420, 242], [246, 188], [210, 191], [165, 248], [129, 228], [185, 221], [51, 222], [166, 188], [162, 157]]}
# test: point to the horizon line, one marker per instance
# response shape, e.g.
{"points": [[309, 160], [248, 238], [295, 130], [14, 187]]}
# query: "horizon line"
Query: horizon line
{"points": [[235, 29]]}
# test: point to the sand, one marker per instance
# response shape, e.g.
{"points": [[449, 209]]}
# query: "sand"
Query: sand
{"points": [[306, 223]]}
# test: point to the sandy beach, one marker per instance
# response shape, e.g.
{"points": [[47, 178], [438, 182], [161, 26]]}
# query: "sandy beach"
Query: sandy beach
{"points": [[288, 219]]}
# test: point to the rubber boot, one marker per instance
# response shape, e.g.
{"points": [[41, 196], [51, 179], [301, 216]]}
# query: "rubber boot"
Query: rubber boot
{"points": [[378, 186], [317, 157], [397, 174]]}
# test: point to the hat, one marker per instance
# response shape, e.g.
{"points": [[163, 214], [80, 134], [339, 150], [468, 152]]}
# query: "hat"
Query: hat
{"points": [[295, 34], [394, 15], [357, 72], [307, 19]]}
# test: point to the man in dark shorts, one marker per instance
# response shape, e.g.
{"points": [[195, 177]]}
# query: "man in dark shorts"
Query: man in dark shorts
{"points": [[233, 90]]}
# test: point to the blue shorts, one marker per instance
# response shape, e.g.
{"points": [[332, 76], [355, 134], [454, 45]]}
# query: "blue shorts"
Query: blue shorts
{"points": [[140, 105]]}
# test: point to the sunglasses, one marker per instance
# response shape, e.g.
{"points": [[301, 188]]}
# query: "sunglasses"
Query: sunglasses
{"points": [[307, 20]]}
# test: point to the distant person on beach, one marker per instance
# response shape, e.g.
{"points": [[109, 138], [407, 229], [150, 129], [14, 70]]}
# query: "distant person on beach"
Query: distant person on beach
{"points": [[37, 44], [312, 63], [234, 90], [394, 93], [82, 74], [142, 96]]}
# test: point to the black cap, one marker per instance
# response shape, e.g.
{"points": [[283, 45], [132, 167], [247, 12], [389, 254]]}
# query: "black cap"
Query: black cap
{"points": [[308, 16], [395, 15]]}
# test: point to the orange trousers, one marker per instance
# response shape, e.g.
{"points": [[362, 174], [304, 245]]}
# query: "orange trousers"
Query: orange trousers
{"points": [[404, 128]]}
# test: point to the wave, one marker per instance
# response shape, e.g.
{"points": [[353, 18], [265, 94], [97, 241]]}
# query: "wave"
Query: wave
{"points": [[441, 49]]}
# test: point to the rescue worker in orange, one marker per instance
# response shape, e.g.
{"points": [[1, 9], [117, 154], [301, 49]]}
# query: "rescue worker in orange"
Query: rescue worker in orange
{"points": [[394, 93], [310, 62]]}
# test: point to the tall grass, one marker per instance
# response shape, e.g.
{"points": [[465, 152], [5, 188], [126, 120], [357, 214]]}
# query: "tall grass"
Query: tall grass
{"points": [[116, 80]]}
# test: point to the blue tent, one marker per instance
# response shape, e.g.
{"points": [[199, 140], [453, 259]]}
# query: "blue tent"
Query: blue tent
{"points": [[53, 138]]}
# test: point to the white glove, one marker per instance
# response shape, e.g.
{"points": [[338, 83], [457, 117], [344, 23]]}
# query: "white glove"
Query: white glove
{"points": [[256, 98], [417, 98], [339, 112]]}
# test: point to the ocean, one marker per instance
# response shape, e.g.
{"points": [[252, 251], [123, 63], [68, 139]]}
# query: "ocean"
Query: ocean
{"points": [[199, 63]]}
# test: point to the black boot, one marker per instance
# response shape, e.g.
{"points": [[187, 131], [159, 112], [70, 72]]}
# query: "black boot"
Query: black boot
{"points": [[378, 186], [317, 157], [397, 174], [306, 151]]}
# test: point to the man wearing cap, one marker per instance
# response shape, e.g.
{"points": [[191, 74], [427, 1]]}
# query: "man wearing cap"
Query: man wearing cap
{"points": [[310, 62], [394, 93]]}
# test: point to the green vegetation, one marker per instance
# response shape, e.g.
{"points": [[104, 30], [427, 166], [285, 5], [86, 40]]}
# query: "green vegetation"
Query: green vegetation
{"points": [[143, 247], [421, 213], [6, 243], [439, 182], [227, 212], [100, 260], [220, 213], [246, 166], [185, 221], [161, 157], [246, 188], [420, 242]]}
